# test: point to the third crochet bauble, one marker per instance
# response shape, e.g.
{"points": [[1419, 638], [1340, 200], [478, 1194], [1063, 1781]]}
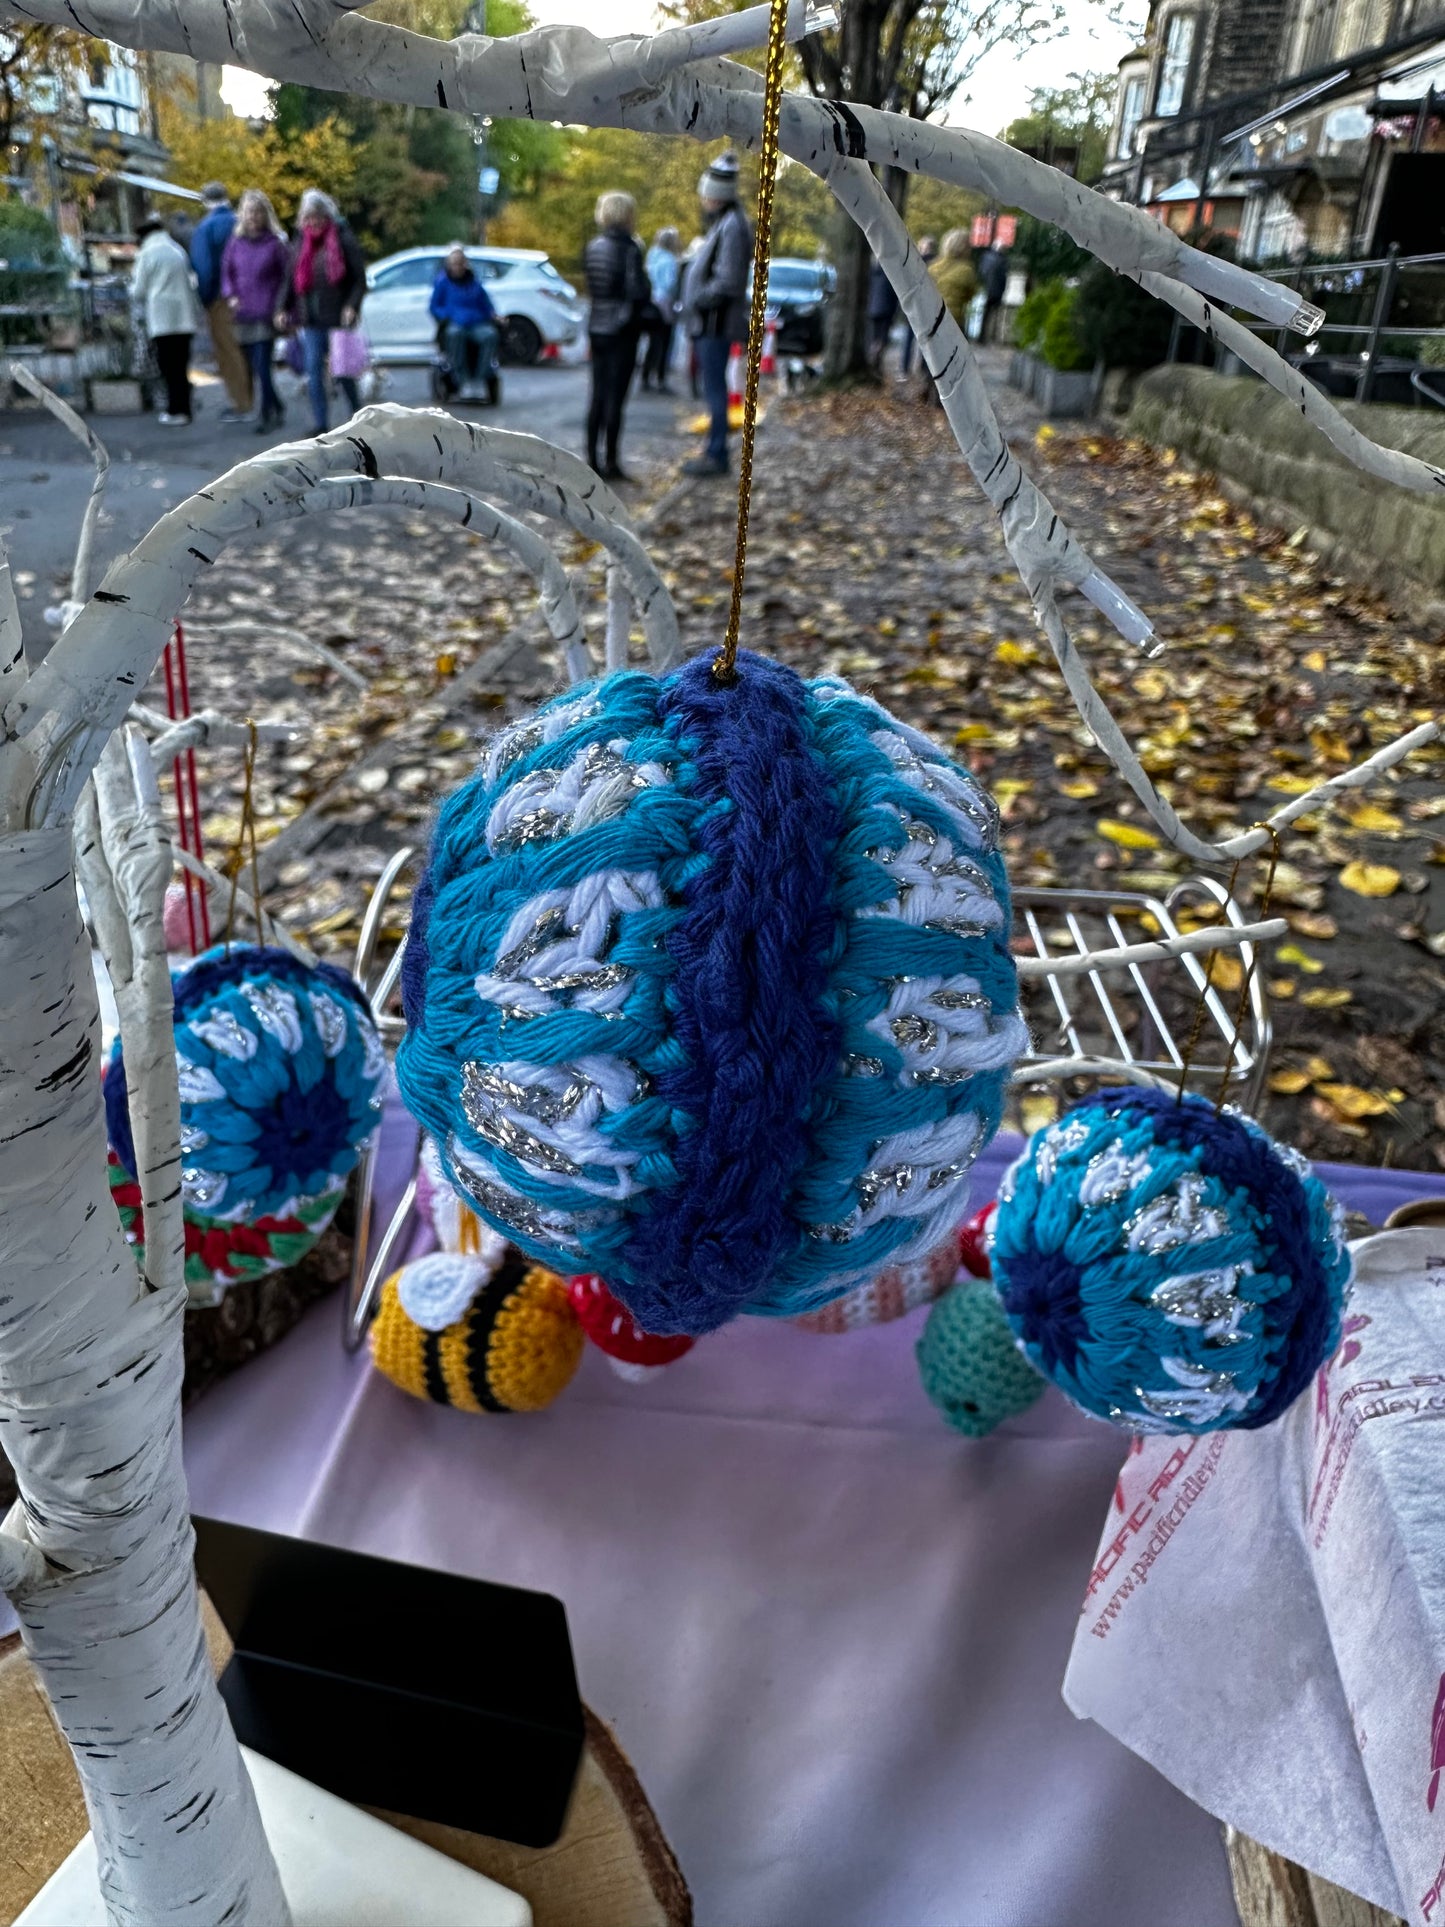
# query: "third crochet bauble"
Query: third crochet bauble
{"points": [[708, 990], [1169, 1267]]}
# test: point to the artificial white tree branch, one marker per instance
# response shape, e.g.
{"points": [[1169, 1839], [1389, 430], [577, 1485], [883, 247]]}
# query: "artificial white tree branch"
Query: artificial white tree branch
{"points": [[1219, 936], [290, 639], [123, 855], [202, 729], [1053, 1070], [55, 726], [90, 1378]]}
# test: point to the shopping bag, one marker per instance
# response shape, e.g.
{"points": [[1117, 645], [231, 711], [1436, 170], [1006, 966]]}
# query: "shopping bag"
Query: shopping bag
{"points": [[350, 355]]}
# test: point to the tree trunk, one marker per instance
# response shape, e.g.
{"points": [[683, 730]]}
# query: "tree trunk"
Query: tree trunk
{"points": [[845, 354], [90, 1375]]}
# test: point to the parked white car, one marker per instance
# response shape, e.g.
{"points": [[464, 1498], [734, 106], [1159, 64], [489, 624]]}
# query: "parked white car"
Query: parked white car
{"points": [[535, 306]]}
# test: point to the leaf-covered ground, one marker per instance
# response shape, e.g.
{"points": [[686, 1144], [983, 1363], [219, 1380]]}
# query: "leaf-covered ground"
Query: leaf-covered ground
{"points": [[873, 555]]}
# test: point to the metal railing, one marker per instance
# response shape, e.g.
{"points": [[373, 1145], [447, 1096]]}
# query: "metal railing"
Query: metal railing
{"points": [[1426, 382]]}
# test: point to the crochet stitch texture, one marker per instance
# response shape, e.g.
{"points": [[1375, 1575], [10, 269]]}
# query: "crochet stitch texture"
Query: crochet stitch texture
{"points": [[1169, 1268], [709, 990]]}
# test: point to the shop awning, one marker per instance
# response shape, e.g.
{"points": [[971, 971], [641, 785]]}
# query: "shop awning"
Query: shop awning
{"points": [[155, 186]]}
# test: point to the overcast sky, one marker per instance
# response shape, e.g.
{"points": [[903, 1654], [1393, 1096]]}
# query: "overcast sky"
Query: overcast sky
{"points": [[999, 91]]}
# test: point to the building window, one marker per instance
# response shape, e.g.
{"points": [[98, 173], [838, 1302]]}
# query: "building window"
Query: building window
{"points": [[1174, 67], [1130, 115]]}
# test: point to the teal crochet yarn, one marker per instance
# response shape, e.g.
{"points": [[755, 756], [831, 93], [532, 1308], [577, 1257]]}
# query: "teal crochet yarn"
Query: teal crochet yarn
{"points": [[969, 1363], [709, 991], [1170, 1268]]}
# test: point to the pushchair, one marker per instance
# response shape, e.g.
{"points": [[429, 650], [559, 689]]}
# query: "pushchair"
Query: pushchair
{"points": [[481, 383]]}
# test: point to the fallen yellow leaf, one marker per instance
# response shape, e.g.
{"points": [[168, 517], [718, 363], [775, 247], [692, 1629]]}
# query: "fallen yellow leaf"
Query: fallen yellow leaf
{"points": [[1043, 433], [1281, 986], [1370, 879], [1320, 1067], [1127, 835], [1081, 786], [1015, 653], [1315, 660], [973, 733], [1292, 785], [1287, 1083], [1354, 1102], [1310, 925], [1228, 972], [1008, 787], [1369, 816], [1151, 685], [1290, 953], [1036, 1109], [1321, 999], [446, 663]]}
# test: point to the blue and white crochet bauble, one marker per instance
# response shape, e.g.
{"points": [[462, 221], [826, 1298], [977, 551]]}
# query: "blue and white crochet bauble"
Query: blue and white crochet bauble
{"points": [[709, 993], [281, 1075], [1169, 1267]]}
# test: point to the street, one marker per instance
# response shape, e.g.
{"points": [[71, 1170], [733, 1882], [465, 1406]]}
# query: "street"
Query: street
{"points": [[45, 476]]}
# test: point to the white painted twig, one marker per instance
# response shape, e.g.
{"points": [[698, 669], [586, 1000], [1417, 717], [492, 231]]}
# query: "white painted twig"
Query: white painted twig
{"points": [[203, 729], [1219, 936], [1053, 1070], [58, 721], [291, 639], [479, 517], [80, 575], [90, 1378], [123, 855]]}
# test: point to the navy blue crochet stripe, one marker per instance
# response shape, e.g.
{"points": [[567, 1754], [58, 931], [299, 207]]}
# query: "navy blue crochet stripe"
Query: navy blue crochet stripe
{"points": [[752, 952], [221, 968], [1243, 1159], [117, 1111], [416, 959]]}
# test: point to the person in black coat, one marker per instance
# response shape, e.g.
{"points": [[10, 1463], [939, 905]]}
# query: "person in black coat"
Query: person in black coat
{"points": [[617, 288]]}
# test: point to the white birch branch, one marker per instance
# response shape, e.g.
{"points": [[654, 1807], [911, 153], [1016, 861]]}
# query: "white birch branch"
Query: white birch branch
{"points": [[123, 855], [1219, 936], [291, 639], [202, 729], [55, 726], [90, 1377]]}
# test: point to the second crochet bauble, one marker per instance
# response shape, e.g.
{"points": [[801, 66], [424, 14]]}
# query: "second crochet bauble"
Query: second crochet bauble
{"points": [[709, 992], [969, 1364], [1170, 1268]]}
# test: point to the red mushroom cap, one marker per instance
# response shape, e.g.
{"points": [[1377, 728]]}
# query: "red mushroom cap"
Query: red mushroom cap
{"points": [[612, 1328]]}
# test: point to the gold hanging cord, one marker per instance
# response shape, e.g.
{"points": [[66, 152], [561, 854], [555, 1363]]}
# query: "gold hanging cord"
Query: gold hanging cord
{"points": [[725, 667]]}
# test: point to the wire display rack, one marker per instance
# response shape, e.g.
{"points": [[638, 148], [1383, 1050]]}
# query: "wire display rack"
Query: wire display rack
{"points": [[1139, 1016]]}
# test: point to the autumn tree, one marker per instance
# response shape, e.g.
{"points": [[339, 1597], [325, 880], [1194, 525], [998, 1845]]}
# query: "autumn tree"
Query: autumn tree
{"points": [[1073, 117], [282, 163]]}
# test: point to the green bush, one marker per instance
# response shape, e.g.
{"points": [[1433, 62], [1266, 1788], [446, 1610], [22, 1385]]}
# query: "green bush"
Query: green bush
{"points": [[1117, 323], [1045, 327], [1033, 315]]}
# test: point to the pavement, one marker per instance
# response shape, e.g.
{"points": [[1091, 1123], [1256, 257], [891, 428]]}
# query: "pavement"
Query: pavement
{"points": [[45, 476]]}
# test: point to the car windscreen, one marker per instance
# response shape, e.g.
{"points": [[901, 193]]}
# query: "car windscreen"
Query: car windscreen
{"points": [[790, 283]]}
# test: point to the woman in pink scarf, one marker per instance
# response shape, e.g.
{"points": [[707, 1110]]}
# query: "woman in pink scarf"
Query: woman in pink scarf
{"points": [[324, 290]]}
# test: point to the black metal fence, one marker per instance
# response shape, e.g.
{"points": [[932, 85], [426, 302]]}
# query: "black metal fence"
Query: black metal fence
{"points": [[1381, 312]]}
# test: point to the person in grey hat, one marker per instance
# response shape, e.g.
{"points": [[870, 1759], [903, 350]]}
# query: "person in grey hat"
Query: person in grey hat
{"points": [[208, 246], [715, 301]]}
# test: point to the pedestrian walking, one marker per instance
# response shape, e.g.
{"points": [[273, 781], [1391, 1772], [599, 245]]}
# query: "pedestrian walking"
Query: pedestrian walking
{"points": [[253, 285], [325, 287], [664, 277], [882, 307], [954, 277], [993, 278], [463, 309], [927, 253], [208, 248], [617, 289], [164, 304], [715, 301]]}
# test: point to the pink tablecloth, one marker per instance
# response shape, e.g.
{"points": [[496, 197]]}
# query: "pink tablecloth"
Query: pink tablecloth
{"points": [[828, 1631]]}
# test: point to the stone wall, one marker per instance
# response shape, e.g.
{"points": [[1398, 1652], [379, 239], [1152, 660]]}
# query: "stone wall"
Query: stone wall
{"points": [[1260, 446]]}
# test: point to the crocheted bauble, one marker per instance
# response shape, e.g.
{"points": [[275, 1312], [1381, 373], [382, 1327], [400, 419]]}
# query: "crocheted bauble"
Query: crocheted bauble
{"points": [[897, 1290], [513, 1349], [219, 1254], [610, 1326], [709, 991], [281, 1077], [970, 1366], [1170, 1268]]}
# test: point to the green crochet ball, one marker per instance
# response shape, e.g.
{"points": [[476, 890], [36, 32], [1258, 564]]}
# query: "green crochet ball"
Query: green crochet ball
{"points": [[969, 1363]]}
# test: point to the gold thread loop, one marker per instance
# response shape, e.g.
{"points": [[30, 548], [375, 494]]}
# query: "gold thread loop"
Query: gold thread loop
{"points": [[247, 828], [725, 666]]}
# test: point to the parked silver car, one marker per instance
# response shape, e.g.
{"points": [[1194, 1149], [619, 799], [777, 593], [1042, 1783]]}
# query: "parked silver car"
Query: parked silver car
{"points": [[535, 306]]}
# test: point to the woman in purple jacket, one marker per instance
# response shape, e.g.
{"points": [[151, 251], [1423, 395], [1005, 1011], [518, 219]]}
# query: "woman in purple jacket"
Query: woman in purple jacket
{"points": [[253, 275]]}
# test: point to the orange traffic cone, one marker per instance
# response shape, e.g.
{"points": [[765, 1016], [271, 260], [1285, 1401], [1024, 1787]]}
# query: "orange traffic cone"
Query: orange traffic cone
{"points": [[737, 369], [769, 363]]}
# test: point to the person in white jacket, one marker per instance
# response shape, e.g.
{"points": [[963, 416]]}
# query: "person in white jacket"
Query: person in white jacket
{"points": [[164, 303]]}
